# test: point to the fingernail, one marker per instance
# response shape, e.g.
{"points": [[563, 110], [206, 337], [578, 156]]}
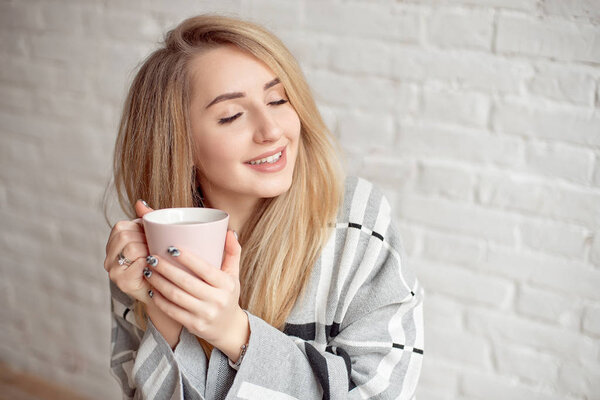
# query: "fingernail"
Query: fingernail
{"points": [[152, 261], [174, 251], [144, 203], [147, 272], [150, 293], [235, 234]]}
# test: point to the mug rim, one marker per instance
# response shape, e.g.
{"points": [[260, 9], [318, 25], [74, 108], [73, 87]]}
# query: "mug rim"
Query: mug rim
{"points": [[214, 215]]}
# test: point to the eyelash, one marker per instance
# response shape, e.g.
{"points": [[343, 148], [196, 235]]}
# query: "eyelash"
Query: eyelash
{"points": [[234, 117]]}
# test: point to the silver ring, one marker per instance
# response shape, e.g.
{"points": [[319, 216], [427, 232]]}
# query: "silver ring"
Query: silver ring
{"points": [[123, 260]]}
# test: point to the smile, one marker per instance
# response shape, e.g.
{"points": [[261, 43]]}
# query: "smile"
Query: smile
{"points": [[271, 159]]}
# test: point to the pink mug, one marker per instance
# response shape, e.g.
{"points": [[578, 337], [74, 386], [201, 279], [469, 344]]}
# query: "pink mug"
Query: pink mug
{"points": [[201, 231]]}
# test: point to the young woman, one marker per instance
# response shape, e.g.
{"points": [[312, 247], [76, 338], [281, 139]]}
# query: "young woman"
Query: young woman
{"points": [[313, 299]]}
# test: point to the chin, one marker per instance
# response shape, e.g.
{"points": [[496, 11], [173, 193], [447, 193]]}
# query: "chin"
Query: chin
{"points": [[276, 189]]}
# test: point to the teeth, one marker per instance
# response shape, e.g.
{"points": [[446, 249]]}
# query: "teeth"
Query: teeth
{"points": [[271, 159]]}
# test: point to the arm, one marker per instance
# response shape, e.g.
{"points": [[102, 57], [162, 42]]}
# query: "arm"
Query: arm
{"points": [[368, 338]]}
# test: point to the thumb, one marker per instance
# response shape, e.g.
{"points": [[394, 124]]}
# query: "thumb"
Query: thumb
{"points": [[233, 250], [141, 208]]}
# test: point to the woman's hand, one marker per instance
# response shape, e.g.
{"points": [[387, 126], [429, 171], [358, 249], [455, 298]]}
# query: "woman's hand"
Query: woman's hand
{"points": [[205, 301], [128, 239]]}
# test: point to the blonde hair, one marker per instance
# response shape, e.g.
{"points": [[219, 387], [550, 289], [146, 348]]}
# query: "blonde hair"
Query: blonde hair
{"points": [[284, 237]]}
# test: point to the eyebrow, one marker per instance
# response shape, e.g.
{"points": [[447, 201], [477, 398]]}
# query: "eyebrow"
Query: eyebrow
{"points": [[235, 95]]}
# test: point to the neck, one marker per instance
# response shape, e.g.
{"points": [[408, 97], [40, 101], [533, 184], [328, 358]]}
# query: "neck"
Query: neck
{"points": [[238, 208]]}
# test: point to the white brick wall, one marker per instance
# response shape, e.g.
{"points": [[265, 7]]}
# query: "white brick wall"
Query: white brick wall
{"points": [[480, 119]]}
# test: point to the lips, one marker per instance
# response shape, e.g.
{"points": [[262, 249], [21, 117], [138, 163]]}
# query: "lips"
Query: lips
{"points": [[267, 154]]}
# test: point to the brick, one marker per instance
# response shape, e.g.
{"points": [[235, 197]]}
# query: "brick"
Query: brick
{"points": [[439, 377], [530, 365], [460, 347], [548, 37], [450, 248], [561, 275], [457, 144], [21, 16], [445, 180], [45, 75], [310, 49], [389, 171], [534, 196], [567, 125], [461, 29], [283, 15], [362, 20], [177, 10], [504, 330], [494, 387], [58, 47], [74, 107], [523, 5], [549, 306], [465, 219], [467, 70], [559, 160], [596, 174], [595, 249], [365, 92], [591, 320], [362, 56], [123, 25], [574, 8], [563, 84], [54, 17], [12, 44], [554, 238], [465, 285], [16, 98], [366, 131], [577, 379], [454, 107], [442, 313], [120, 62]]}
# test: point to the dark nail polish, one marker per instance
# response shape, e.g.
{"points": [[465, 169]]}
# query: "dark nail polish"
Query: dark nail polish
{"points": [[150, 293], [147, 272], [236, 235], [152, 261], [174, 251], [145, 204]]}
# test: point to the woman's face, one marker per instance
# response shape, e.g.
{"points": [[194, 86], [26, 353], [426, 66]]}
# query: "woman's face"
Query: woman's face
{"points": [[240, 115]]}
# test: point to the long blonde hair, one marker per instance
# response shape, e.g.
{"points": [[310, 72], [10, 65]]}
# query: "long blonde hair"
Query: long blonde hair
{"points": [[284, 237]]}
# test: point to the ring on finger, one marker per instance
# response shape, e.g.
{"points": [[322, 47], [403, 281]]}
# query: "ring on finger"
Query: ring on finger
{"points": [[123, 260]]}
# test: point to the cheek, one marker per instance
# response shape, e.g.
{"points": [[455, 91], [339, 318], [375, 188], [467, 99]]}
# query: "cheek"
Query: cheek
{"points": [[293, 124]]}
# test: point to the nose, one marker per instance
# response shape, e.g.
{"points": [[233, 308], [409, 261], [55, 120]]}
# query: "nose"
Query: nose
{"points": [[267, 127]]}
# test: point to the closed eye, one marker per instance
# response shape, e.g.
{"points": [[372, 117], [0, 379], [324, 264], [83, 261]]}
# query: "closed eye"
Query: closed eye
{"points": [[234, 117]]}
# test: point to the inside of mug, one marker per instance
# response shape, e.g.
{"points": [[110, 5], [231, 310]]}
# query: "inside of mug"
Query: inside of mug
{"points": [[185, 216]]}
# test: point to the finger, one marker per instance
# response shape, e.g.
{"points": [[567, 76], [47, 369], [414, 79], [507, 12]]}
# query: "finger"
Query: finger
{"points": [[141, 208], [120, 240], [184, 280], [231, 259], [170, 291], [130, 280], [174, 311], [121, 227], [198, 266]]}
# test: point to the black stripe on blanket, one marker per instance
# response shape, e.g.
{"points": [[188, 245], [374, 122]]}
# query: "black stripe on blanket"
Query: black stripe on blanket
{"points": [[318, 364], [309, 331], [342, 353]]}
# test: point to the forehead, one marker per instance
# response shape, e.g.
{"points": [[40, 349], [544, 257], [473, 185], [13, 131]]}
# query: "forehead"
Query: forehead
{"points": [[226, 69]]}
